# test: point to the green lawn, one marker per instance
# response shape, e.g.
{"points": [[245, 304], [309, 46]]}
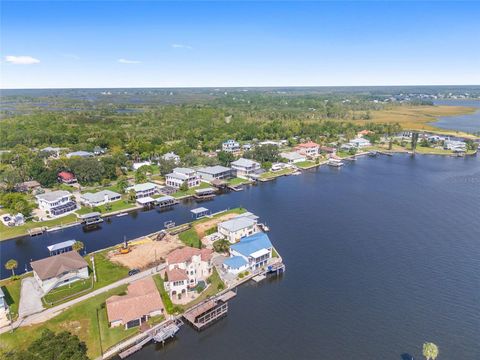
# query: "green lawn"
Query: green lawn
{"points": [[68, 292], [11, 288], [238, 181], [8, 232], [190, 238], [80, 320], [115, 206], [167, 302], [305, 164], [191, 191], [107, 271], [274, 174], [216, 285]]}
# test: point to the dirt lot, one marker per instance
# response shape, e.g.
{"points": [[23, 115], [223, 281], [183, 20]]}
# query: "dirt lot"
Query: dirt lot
{"points": [[145, 251], [204, 226]]}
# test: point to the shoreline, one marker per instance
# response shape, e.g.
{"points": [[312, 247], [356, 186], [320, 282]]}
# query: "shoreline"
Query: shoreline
{"points": [[322, 163]]}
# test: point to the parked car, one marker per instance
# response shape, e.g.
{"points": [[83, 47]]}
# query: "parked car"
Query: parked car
{"points": [[133, 272]]}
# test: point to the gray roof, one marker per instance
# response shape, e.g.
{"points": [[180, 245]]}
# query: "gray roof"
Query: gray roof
{"points": [[142, 187], [60, 246], [213, 170], [292, 155], [170, 156], [182, 170], [242, 162], [100, 196], [237, 223], [53, 195], [177, 176], [199, 210], [80, 153]]}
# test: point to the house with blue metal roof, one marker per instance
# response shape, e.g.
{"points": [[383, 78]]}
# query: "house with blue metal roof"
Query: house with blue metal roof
{"points": [[255, 250]]}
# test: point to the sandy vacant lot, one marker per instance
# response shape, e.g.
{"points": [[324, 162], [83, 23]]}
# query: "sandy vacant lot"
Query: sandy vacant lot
{"points": [[146, 252], [205, 225]]}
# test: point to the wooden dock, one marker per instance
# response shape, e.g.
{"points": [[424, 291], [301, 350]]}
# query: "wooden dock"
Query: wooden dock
{"points": [[209, 311], [37, 231]]}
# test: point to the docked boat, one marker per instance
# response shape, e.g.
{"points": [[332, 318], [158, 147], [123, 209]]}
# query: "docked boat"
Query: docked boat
{"points": [[121, 214]]}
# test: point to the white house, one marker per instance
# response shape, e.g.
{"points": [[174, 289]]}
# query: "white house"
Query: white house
{"points": [[455, 145], [238, 227], [56, 202], [245, 167], [218, 172], [99, 198], [144, 190], [181, 175], [185, 268], [59, 270], [360, 143], [231, 146], [293, 157], [171, 156], [250, 253], [309, 149]]}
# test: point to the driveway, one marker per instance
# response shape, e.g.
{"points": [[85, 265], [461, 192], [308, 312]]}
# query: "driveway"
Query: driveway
{"points": [[30, 298]]}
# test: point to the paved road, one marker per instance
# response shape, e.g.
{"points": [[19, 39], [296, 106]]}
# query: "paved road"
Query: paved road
{"points": [[54, 311]]}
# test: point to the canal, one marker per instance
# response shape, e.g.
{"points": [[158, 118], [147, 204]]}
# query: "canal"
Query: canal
{"points": [[381, 255]]}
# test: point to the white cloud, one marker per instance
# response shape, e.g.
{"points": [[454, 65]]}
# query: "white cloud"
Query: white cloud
{"points": [[126, 61], [181, 46], [21, 60]]}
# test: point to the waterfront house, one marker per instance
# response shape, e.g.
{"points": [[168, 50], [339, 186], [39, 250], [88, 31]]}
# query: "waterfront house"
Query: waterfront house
{"points": [[328, 149], [138, 165], [245, 167], [144, 190], [360, 143], [308, 149], [59, 270], [255, 250], [186, 267], [171, 156], [67, 177], [217, 172], [56, 202], [99, 198], [293, 157], [181, 175], [455, 145], [231, 146], [238, 227], [83, 154], [247, 147], [141, 302]]}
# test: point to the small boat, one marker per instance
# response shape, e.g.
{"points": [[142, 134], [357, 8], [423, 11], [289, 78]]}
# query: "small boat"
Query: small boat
{"points": [[297, 173], [121, 214]]}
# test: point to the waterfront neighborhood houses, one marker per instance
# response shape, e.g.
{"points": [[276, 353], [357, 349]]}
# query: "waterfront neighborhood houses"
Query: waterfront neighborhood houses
{"points": [[144, 190], [141, 302], [216, 172], [59, 270], [56, 203], [180, 176], [455, 146], [99, 198], [245, 168], [238, 227], [309, 149], [186, 268], [250, 253]]}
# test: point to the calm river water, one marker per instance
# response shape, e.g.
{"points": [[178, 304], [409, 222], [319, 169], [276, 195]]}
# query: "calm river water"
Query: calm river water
{"points": [[381, 256], [468, 123]]}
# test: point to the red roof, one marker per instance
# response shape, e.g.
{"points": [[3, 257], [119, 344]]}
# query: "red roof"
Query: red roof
{"points": [[309, 144], [65, 175], [176, 274], [185, 254]]}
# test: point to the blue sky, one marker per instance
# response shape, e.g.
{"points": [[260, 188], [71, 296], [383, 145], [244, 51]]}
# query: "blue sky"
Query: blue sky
{"points": [[176, 44]]}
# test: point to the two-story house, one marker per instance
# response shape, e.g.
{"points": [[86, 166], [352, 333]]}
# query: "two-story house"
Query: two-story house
{"points": [[56, 202], [180, 176], [250, 253], [238, 227], [245, 167]]}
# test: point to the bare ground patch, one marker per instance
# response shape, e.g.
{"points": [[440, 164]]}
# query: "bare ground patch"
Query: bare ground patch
{"points": [[203, 226]]}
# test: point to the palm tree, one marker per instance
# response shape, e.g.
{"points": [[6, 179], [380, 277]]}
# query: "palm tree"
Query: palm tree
{"points": [[78, 246], [430, 351], [11, 264]]}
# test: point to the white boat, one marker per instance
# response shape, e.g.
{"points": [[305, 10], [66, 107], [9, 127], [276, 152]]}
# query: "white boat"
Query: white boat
{"points": [[121, 214], [335, 162]]}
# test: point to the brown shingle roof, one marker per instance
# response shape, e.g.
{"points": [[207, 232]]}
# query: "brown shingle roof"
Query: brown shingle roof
{"points": [[56, 265], [142, 299], [186, 253]]}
